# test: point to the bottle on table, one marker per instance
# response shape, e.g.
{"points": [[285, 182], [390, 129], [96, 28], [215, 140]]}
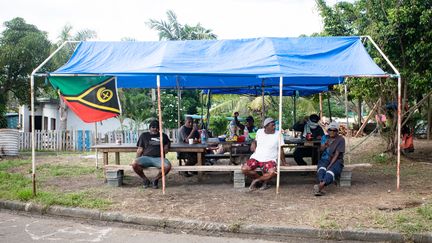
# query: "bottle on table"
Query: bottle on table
{"points": [[203, 136], [246, 133]]}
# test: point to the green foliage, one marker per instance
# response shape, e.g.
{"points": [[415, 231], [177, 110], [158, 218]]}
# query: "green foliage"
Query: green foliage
{"points": [[425, 211], [381, 158], [80, 199], [8, 164], [50, 170], [402, 30], [22, 48], [15, 186], [218, 125], [171, 29], [137, 104]]}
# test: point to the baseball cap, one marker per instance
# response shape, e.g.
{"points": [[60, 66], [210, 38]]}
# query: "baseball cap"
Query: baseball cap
{"points": [[267, 121], [333, 125]]}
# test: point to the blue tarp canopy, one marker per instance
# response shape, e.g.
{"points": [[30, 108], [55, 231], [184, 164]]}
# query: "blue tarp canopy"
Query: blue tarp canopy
{"points": [[224, 63], [271, 90]]}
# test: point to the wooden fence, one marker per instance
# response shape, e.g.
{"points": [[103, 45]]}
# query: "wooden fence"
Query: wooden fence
{"points": [[80, 140]]}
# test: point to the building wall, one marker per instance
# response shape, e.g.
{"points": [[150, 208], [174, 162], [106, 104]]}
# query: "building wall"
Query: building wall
{"points": [[50, 111]]}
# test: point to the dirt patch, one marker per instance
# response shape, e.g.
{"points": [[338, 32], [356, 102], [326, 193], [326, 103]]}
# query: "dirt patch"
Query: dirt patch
{"points": [[372, 194]]}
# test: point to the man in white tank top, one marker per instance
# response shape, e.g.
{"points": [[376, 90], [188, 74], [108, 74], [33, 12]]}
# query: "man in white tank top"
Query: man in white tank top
{"points": [[265, 147]]}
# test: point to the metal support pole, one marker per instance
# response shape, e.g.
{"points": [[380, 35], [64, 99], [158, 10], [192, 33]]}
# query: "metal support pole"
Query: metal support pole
{"points": [[279, 135], [321, 105], [263, 101], [162, 154], [178, 103], [32, 97], [329, 108], [347, 125], [429, 115], [399, 107], [399, 120]]}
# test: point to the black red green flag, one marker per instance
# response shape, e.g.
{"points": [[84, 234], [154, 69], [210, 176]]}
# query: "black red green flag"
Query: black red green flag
{"points": [[92, 98]]}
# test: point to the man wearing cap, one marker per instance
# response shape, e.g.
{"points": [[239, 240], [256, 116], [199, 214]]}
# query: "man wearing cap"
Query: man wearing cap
{"points": [[311, 131], [148, 154], [266, 148], [331, 163]]}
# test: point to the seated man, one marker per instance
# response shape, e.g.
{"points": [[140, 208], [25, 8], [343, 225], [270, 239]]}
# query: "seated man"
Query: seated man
{"points": [[312, 131], [235, 127], [331, 163], [265, 147], [188, 131], [148, 154], [250, 124]]}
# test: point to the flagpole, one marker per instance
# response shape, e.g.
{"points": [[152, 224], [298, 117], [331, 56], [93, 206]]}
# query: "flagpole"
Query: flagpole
{"points": [[160, 134]]}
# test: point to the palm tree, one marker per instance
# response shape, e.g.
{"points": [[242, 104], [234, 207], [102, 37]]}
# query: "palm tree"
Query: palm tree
{"points": [[63, 55], [171, 29]]}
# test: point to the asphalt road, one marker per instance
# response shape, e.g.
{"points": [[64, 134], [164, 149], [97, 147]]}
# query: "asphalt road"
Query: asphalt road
{"points": [[23, 228]]}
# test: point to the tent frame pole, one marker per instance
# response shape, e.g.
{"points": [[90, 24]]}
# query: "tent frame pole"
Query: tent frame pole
{"points": [[399, 113], [279, 135], [32, 98], [178, 102], [263, 101], [162, 154], [347, 122]]}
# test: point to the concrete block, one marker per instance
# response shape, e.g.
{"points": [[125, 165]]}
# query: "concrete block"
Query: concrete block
{"points": [[345, 183], [115, 177]]}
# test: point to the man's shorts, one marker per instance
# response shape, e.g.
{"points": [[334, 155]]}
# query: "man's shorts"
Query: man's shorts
{"points": [[264, 166], [146, 161]]}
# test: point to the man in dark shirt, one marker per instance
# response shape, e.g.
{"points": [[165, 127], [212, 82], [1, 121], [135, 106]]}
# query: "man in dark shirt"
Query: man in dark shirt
{"points": [[188, 131], [311, 131], [148, 154], [250, 124], [331, 163]]}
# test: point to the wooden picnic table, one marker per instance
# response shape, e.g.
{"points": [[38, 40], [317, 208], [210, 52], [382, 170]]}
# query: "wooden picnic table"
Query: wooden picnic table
{"points": [[106, 148], [302, 143]]}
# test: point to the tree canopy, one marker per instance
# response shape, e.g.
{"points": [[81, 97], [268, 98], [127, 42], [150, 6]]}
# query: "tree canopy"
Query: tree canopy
{"points": [[403, 30], [22, 47]]}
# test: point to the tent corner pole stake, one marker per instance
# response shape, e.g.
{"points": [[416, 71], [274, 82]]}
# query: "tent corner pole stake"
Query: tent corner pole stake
{"points": [[399, 119], [32, 94]]}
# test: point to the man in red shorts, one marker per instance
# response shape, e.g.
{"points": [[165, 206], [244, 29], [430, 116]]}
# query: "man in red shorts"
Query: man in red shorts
{"points": [[265, 147]]}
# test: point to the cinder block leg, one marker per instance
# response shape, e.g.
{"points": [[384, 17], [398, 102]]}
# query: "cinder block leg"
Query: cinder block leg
{"points": [[239, 179], [345, 178], [115, 177]]}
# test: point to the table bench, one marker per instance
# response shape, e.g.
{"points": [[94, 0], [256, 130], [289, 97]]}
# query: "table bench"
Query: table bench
{"points": [[115, 172]]}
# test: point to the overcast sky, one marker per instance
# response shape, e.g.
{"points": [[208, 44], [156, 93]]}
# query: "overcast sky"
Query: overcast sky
{"points": [[115, 19]]}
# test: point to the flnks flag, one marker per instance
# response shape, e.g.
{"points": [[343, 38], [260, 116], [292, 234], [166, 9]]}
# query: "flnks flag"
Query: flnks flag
{"points": [[92, 98]]}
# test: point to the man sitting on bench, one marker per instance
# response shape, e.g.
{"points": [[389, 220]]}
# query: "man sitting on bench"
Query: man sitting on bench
{"points": [[265, 147], [311, 131], [148, 154], [331, 163], [188, 131]]}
